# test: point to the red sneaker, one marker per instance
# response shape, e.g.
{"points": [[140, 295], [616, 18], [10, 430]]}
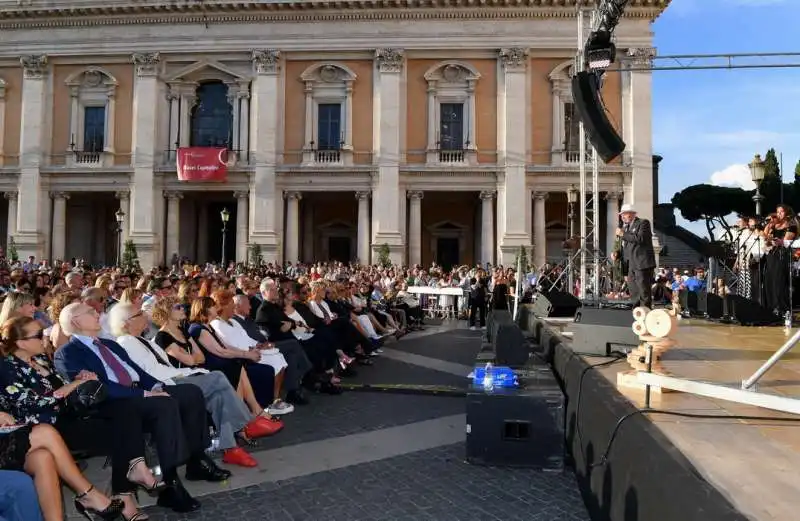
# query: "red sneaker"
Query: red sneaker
{"points": [[262, 427], [239, 456]]}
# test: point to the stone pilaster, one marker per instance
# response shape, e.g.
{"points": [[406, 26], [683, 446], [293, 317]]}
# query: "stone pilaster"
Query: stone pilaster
{"points": [[362, 246], [59, 225], [612, 218], [540, 228], [241, 225], [415, 227], [173, 224], [12, 198], [638, 109], [292, 235], [487, 227]]}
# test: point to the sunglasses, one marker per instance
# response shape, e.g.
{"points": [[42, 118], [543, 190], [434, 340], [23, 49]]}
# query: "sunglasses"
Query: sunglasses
{"points": [[38, 335]]}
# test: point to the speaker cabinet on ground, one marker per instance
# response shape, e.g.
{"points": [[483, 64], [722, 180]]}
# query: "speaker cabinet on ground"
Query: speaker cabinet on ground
{"points": [[497, 317], [555, 304], [510, 346], [749, 313], [600, 331], [522, 427], [710, 305], [591, 111]]}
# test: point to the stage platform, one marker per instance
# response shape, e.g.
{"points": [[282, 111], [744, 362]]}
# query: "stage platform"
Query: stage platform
{"points": [[723, 468]]}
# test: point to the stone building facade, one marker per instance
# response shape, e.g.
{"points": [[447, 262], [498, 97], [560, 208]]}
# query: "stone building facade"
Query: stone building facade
{"points": [[442, 129]]}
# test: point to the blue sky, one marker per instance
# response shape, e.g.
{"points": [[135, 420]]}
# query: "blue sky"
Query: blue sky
{"points": [[709, 124]]}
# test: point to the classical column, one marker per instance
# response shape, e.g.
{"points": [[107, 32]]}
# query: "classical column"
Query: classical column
{"points": [[241, 225], [539, 228], [2, 117], [638, 109], [292, 234], [487, 227], [12, 215], [233, 101], [32, 144], [59, 225], [125, 206], [415, 228], [173, 223], [612, 218], [432, 131], [362, 247], [386, 206], [188, 100], [145, 120], [264, 205], [244, 122], [173, 104], [514, 62]]}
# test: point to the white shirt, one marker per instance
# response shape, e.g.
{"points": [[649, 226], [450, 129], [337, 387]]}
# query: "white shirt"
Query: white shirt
{"points": [[233, 334], [104, 326], [300, 333], [145, 359], [317, 307]]}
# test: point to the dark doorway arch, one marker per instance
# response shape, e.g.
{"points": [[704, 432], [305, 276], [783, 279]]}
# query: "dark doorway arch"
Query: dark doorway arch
{"points": [[212, 116]]}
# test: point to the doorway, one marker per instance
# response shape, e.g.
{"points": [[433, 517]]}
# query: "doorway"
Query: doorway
{"points": [[213, 227], [447, 252], [339, 249]]}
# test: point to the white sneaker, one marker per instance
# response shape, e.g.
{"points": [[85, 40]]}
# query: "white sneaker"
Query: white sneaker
{"points": [[279, 407], [473, 328]]}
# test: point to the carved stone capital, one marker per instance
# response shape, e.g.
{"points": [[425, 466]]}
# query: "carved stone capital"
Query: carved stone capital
{"points": [[514, 59], [173, 195], [146, 63], [614, 195], [296, 196], [541, 196], [415, 195], [34, 66], [11, 196], [487, 195], [389, 60], [241, 194], [363, 196], [122, 195], [266, 61], [60, 195], [641, 57]]}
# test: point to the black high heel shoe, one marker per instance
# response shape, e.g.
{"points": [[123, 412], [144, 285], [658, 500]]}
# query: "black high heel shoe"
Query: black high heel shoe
{"points": [[112, 511], [138, 515], [153, 490]]}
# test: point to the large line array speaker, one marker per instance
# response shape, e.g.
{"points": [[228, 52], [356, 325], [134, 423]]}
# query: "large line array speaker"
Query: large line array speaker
{"points": [[591, 111], [599, 331], [555, 304], [518, 427]]}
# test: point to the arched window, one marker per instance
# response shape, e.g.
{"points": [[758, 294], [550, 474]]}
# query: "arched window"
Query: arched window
{"points": [[566, 141], [212, 116]]}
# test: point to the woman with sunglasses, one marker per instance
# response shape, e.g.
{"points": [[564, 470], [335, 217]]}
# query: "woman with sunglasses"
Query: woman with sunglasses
{"points": [[34, 394], [30, 397]]}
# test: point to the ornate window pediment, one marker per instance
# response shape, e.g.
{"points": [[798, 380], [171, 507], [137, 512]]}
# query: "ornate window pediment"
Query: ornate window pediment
{"points": [[92, 117], [451, 112], [206, 70], [329, 114]]}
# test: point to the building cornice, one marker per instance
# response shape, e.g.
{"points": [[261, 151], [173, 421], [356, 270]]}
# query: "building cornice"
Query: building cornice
{"points": [[90, 13]]}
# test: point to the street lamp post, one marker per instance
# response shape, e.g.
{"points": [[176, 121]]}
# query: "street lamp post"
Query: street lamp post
{"points": [[120, 217], [225, 215], [757, 173], [572, 199]]}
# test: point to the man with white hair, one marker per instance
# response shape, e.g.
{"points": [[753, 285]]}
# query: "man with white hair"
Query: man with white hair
{"points": [[175, 415], [638, 255]]}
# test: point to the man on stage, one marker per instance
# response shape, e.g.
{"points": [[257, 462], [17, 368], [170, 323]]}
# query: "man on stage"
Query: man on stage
{"points": [[637, 255]]}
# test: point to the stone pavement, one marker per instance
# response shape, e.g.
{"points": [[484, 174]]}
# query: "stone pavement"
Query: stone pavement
{"points": [[380, 456]]}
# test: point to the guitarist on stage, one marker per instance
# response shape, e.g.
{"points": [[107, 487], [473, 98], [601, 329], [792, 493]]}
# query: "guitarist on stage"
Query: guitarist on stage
{"points": [[637, 255]]}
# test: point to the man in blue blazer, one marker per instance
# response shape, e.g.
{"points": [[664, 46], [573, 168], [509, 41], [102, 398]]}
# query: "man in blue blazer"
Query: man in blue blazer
{"points": [[174, 415]]}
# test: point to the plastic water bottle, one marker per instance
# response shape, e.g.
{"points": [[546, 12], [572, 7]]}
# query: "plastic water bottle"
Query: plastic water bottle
{"points": [[214, 447], [488, 377], [787, 322]]}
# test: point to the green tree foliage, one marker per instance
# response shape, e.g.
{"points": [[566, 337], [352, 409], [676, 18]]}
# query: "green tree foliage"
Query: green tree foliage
{"points": [[713, 204], [522, 259], [12, 250], [771, 185], [255, 256], [130, 257], [384, 255]]}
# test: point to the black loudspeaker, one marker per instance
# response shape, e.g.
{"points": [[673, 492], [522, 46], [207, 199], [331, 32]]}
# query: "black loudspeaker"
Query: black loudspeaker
{"points": [[749, 313], [710, 305], [497, 317], [555, 304], [591, 111], [688, 302], [600, 331], [518, 427], [510, 346]]}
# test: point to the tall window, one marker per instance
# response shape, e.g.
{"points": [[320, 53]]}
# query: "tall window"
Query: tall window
{"points": [[571, 128], [329, 131], [451, 126], [212, 117], [94, 129]]}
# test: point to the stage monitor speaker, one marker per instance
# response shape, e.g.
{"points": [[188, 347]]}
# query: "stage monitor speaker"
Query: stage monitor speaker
{"points": [[555, 304], [591, 111], [599, 331], [688, 301], [749, 313], [510, 346], [517, 427], [710, 305], [497, 317]]}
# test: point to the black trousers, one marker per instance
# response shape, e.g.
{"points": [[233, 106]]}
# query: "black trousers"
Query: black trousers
{"points": [[321, 351], [640, 284], [298, 363], [475, 306]]}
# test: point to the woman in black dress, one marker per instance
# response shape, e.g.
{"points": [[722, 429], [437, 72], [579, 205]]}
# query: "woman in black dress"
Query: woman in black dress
{"points": [[31, 398], [781, 228]]}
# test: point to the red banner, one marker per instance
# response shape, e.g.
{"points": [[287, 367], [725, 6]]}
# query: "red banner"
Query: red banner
{"points": [[203, 163]]}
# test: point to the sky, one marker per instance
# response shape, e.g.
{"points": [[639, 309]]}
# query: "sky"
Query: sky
{"points": [[708, 124]]}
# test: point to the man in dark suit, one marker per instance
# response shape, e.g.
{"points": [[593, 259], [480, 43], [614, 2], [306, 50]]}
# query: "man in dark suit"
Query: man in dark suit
{"points": [[638, 255], [174, 415]]}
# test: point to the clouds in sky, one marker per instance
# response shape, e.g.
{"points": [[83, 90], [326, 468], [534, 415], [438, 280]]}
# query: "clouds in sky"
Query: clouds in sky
{"points": [[735, 176]]}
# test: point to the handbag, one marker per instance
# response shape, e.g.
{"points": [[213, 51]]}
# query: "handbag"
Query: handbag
{"points": [[86, 397]]}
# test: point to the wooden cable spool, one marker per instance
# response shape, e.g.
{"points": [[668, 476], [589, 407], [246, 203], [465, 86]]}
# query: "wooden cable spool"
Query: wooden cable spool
{"points": [[660, 323]]}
